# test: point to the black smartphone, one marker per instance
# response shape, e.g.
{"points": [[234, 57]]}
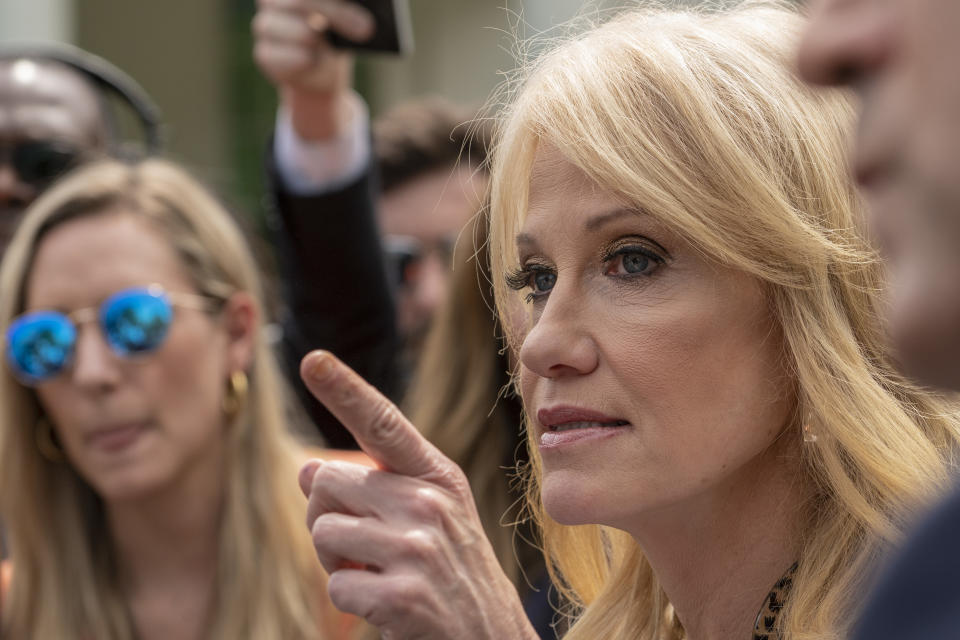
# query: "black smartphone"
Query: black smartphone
{"points": [[393, 34]]}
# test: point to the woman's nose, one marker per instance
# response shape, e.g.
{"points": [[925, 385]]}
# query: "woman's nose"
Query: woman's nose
{"points": [[560, 342], [95, 366]]}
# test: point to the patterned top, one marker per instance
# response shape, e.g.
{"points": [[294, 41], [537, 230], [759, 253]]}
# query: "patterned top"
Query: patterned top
{"points": [[765, 627]]}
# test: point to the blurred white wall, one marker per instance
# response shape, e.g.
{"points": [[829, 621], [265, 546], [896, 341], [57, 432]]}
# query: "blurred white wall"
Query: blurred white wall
{"points": [[37, 20], [176, 49], [462, 47]]}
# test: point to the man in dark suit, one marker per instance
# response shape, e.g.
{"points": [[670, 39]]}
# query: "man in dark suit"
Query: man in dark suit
{"points": [[901, 57], [346, 189]]}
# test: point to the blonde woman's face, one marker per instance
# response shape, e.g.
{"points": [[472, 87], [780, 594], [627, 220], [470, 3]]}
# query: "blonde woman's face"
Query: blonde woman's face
{"points": [[651, 376], [130, 426]]}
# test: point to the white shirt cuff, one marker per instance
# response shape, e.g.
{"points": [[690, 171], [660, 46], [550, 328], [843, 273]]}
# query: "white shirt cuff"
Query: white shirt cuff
{"points": [[310, 168]]}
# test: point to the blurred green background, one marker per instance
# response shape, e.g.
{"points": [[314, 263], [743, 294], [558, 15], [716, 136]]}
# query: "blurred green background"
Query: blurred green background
{"points": [[194, 58]]}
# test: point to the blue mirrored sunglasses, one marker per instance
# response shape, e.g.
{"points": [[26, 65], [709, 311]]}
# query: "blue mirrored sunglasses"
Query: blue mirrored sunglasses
{"points": [[40, 344]]}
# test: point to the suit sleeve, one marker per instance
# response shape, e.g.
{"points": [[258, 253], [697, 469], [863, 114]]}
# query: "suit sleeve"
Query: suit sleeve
{"points": [[918, 595], [335, 288]]}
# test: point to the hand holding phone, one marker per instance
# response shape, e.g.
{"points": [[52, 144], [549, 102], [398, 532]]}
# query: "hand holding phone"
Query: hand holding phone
{"points": [[392, 32]]}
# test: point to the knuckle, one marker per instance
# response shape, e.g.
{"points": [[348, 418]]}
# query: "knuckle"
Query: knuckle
{"points": [[400, 595], [453, 476], [421, 545], [324, 527], [325, 474], [384, 423], [429, 506]]}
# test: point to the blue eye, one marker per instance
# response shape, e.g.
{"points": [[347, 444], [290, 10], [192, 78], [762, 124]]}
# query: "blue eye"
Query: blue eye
{"points": [[635, 262], [539, 278], [543, 281]]}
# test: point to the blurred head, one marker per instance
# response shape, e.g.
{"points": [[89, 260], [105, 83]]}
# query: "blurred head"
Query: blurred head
{"points": [[674, 207], [900, 56], [50, 116], [172, 415], [133, 423], [431, 185]]}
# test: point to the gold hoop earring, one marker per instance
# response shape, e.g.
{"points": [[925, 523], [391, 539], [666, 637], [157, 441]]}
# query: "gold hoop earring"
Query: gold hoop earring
{"points": [[236, 395], [809, 435], [47, 441]]}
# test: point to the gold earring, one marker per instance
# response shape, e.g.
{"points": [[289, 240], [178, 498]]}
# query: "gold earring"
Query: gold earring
{"points": [[47, 442], [236, 396]]}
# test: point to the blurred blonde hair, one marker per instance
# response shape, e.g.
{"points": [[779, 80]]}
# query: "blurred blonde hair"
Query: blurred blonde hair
{"points": [[695, 117], [455, 400], [268, 584]]}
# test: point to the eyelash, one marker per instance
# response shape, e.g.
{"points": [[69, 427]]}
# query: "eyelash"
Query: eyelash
{"points": [[523, 276], [635, 249]]}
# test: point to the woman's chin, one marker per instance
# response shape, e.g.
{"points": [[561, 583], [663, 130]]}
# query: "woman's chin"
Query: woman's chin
{"points": [[574, 503], [123, 485]]}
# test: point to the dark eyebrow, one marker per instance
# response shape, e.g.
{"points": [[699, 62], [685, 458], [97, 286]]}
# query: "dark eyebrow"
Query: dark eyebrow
{"points": [[525, 239]]}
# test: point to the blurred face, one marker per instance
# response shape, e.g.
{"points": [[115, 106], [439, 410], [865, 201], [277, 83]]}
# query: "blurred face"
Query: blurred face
{"points": [[901, 56], [47, 113], [651, 376], [131, 426], [421, 220]]}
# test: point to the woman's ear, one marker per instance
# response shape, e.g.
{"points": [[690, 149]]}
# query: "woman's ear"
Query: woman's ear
{"points": [[240, 317]]}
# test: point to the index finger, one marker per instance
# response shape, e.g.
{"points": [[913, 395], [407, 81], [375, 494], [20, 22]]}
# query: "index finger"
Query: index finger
{"points": [[376, 423]]}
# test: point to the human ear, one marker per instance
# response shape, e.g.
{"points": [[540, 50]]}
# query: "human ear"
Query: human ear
{"points": [[240, 320]]}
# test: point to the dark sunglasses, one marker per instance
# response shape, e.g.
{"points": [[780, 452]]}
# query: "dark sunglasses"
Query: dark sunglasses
{"points": [[41, 344], [38, 162], [405, 255]]}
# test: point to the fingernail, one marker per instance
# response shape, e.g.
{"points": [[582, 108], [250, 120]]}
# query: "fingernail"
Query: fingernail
{"points": [[321, 366], [307, 471]]}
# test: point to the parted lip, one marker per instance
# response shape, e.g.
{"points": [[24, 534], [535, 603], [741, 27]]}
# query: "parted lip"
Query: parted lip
{"points": [[551, 417], [113, 429]]}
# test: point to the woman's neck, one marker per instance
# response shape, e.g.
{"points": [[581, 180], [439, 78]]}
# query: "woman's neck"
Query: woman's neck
{"points": [[718, 556], [169, 539]]}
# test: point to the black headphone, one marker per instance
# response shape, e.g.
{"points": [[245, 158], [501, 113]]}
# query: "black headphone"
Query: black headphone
{"points": [[106, 77]]}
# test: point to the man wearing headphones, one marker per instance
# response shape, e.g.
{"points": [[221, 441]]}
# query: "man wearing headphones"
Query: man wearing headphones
{"points": [[55, 111], [50, 116]]}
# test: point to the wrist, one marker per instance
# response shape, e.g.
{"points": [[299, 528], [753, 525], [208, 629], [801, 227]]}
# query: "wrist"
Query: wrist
{"points": [[318, 116]]}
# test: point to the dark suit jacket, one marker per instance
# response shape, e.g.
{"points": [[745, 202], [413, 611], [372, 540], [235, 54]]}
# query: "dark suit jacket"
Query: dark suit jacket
{"points": [[918, 595], [335, 286]]}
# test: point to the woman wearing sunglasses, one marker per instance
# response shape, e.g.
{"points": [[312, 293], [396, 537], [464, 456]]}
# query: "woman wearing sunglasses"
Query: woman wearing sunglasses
{"points": [[146, 472], [720, 445]]}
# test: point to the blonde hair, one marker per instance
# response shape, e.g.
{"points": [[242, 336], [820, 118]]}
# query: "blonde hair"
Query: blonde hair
{"points": [[455, 400], [268, 582], [695, 118]]}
